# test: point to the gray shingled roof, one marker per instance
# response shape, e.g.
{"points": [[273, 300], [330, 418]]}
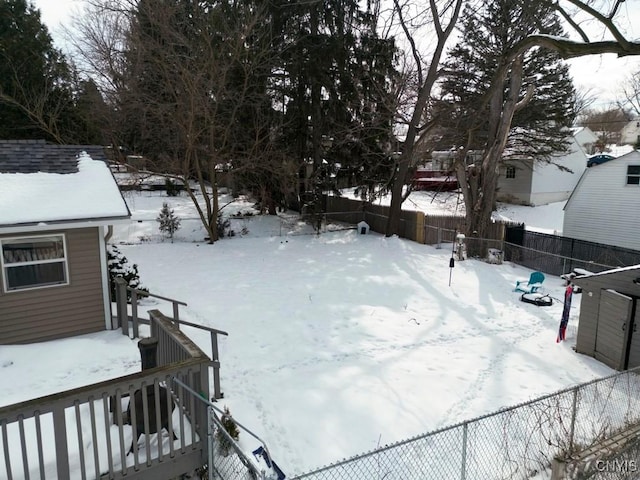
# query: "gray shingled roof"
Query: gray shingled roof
{"points": [[31, 156]]}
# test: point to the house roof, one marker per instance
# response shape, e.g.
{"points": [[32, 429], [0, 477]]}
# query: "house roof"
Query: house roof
{"points": [[42, 183], [598, 168]]}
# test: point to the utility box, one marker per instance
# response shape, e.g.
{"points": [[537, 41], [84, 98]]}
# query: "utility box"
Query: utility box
{"points": [[363, 228], [495, 256]]}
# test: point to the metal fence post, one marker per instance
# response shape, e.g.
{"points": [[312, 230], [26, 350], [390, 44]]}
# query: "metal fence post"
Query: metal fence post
{"points": [[574, 410], [210, 442], [463, 471]]}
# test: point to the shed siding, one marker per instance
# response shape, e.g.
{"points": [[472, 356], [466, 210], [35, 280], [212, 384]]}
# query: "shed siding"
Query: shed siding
{"points": [[586, 338], [611, 341], [602, 207], [634, 350], [592, 287], [61, 311]]}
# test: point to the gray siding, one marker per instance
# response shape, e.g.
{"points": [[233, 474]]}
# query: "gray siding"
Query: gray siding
{"points": [[60, 311], [613, 318], [603, 208], [593, 286]]}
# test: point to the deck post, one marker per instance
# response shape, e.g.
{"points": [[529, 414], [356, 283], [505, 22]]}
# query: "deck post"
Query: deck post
{"points": [[217, 394], [121, 304], [60, 435], [134, 313]]}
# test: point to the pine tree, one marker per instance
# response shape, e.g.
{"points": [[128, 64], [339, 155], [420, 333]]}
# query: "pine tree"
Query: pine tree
{"points": [[521, 114], [36, 81], [169, 222], [488, 33]]}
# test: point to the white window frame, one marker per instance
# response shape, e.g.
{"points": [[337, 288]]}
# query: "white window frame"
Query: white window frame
{"points": [[510, 171], [633, 175], [64, 260]]}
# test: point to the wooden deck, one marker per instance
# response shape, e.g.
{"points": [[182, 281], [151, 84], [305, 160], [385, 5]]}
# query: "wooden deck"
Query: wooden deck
{"points": [[90, 432]]}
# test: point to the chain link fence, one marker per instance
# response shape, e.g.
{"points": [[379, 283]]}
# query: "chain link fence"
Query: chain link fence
{"points": [[513, 443], [226, 460]]}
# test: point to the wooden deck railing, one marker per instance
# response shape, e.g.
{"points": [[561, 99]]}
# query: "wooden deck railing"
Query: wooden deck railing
{"points": [[109, 430], [122, 313]]}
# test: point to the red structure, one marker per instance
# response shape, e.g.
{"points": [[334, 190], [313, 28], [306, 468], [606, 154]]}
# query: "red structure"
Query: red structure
{"points": [[440, 180]]}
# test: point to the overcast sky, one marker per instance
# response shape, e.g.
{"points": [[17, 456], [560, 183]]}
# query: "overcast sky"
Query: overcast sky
{"points": [[600, 74]]}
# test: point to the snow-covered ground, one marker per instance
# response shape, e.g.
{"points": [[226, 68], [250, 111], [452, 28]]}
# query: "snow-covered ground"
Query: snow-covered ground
{"points": [[337, 343]]}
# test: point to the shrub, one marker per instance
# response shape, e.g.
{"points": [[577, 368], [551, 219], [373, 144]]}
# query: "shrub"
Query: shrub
{"points": [[231, 428], [119, 266], [171, 187], [169, 221]]}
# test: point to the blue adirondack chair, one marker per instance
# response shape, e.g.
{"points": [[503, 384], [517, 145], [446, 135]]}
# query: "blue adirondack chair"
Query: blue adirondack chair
{"points": [[532, 285]]}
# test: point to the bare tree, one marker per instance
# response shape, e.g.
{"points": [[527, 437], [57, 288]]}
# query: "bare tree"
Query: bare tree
{"points": [[187, 84], [630, 93], [480, 194], [443, 15]]}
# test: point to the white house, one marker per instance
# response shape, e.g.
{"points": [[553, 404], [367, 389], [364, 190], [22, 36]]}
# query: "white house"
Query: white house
{"points": [[586, 139], [605, 205], [630, 133], [529, 182]]}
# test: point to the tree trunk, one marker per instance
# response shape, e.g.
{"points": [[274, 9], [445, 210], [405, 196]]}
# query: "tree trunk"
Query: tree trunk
{"points": [[481, 186], [402, 167]]}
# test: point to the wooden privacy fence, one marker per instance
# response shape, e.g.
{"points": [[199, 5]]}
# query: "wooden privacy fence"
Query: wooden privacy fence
{"points": [[414, 225], [139, 426]]}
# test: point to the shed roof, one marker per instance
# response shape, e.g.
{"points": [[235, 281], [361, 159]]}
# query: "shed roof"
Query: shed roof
{"points": [[42, 183], [613, 271]]}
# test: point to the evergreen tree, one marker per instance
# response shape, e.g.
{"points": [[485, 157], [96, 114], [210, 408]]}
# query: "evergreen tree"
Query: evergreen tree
{"points": [[36, 82], [337, 85], [119, 266], [169, 222], [522, 113], [539, 130]]}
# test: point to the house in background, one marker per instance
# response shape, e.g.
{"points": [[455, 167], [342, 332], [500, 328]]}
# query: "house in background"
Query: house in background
{"points": [[56, 202], [530, 182], [610, 317], [586, 139], [630, 133], [605, 205]]}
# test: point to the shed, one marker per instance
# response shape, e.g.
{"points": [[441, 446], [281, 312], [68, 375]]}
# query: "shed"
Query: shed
{"points": [[56, 203], [609, 327]]}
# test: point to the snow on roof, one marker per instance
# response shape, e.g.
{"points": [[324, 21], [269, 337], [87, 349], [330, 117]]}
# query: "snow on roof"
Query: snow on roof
{"points": [[90, 193], [608, 272]]}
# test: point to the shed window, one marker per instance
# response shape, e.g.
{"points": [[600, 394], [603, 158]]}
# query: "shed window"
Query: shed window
{"points": [[511, 172], [633, 175], [32, 262]]}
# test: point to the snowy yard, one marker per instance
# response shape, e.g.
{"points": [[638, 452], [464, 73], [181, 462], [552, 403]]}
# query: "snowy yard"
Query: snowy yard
{"points": [[337, 343]]}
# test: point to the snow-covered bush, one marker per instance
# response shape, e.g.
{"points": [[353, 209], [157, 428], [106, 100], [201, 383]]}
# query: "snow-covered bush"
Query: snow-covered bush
{"points": [[168, 220], [119, 266], [231, 428]]}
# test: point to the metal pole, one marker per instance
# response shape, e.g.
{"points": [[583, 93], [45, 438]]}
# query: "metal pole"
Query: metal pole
{"points": [[574, 411], [463, 471], [210, 442]]}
